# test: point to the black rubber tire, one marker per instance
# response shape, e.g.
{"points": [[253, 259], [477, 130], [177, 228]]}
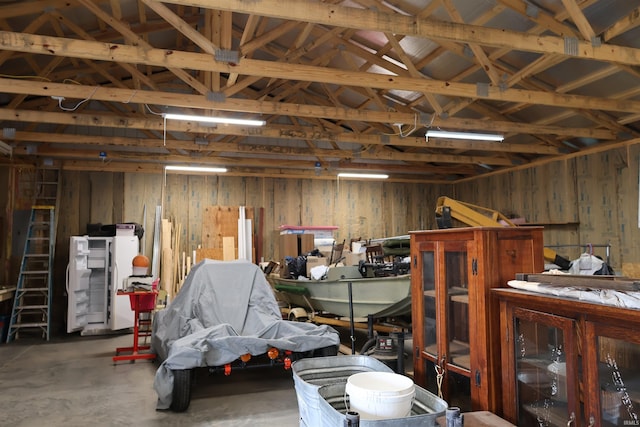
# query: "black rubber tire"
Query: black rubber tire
{"points": [[331, 350], [181, 390]]}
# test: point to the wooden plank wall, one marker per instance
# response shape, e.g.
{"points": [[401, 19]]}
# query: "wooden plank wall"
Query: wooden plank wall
{"points": [[628, 213], [359, 208], [587, 199]]}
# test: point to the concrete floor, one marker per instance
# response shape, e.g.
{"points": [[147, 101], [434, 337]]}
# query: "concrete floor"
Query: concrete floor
{"points": [[75, 383], [72, 381]]}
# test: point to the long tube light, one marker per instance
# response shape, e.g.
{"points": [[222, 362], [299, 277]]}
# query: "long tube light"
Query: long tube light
{"points": [[195, 169], [363, 175], [464, 135], [208, 119]]}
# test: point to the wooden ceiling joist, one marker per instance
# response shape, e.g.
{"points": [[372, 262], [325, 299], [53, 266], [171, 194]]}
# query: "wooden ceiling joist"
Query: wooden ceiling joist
{"points": [[349, 85], [172, 59]]}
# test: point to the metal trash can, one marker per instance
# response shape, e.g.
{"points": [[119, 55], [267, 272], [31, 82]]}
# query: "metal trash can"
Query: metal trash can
{"points": [[311, 373]]}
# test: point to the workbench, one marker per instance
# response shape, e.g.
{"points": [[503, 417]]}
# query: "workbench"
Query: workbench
{"points": [[7, 293]]}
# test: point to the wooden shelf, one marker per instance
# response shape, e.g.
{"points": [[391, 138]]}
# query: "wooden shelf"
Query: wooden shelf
{"points": [[459, 353], [556, 413], [462, 299], [462, 361]]}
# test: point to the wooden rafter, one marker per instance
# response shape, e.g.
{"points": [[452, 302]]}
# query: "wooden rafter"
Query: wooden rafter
{"points": [[350, 85]]}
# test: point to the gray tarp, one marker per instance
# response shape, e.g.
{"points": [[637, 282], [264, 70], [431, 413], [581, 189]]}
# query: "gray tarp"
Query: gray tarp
{"points": [[225, 309]]}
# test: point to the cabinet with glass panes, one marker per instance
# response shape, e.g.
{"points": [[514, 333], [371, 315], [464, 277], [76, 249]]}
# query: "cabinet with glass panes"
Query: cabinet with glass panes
{"points": [[568, 362], [454, 319]]}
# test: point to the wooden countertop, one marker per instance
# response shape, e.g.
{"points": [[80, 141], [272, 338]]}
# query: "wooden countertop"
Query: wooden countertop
{"points": [[480, 419], [6, 293]]}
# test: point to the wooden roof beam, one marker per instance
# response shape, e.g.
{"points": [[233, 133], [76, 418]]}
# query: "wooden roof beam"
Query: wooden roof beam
{"points": [[171, 59], [265, 107], [349, 17]]}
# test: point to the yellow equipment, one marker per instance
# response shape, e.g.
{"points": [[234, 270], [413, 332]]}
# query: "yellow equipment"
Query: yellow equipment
{"points": [[478, 216]]}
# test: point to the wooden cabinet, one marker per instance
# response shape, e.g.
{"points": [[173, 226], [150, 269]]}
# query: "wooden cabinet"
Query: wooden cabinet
{"points": [[455, 321], [568, 362]]}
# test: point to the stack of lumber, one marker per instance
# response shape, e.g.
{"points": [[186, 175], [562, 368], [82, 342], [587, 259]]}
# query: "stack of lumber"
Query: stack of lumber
{"points": [[219, 242], [175, 264]]}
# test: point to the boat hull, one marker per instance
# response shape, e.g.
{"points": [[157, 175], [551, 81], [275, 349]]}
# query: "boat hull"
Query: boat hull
{"points": [[378, 296]]}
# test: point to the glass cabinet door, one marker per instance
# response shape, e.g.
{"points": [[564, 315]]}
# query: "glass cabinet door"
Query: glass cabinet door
{"points": [[429, 303], [457, 353], [429, 308], [617, 377], [457, 300], [446, 321], [544, 372]]}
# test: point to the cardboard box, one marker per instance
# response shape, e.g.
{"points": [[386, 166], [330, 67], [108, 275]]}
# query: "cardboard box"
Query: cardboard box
{"points": [[351, 258], [313, 261], [294, 245]]}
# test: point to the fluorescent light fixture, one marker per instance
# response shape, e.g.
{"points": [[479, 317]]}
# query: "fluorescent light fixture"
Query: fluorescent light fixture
{"points": [[464, 135], [208, 119], [5, 148], [363, 175], [195, 169]]}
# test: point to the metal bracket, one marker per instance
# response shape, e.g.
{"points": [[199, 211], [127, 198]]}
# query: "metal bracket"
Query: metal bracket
{"points": [[224, 55], [571, 46], [482, 89], [532, 10], [426, 119], [216, 96]]}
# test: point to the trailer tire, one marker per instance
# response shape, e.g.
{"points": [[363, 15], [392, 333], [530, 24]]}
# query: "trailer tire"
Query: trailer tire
{"points": [[298, 314], [331, 350], [181, 390]]}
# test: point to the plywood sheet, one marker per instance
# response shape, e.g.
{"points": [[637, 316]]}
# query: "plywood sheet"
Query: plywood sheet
{"points": [[231, 191], [176, 207], [101, 197], [318, 202], [221, 221], [142, 193], [287, 196], [209, 253], [197, 185]]}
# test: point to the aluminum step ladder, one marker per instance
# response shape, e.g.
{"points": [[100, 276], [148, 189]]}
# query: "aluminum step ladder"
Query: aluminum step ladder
{"points": [[31, 311]]}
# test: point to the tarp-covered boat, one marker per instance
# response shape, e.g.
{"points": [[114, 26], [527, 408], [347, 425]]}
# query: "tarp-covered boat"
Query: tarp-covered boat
{"points": [[225, 310]]}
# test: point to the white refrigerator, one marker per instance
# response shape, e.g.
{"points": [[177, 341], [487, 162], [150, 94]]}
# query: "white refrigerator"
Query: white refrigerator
{"points": [[98, 267]]}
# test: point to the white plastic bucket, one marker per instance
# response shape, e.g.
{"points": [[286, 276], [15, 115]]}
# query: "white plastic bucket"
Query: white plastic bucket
{"points": [[380, 395]]}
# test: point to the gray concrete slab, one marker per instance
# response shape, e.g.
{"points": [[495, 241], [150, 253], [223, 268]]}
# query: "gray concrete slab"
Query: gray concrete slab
{"points": [[73, 382]]}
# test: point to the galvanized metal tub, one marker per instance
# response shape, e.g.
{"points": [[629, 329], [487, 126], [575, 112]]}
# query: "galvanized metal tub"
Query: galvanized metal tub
{"points": [[426, 408], [312, 373]]}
